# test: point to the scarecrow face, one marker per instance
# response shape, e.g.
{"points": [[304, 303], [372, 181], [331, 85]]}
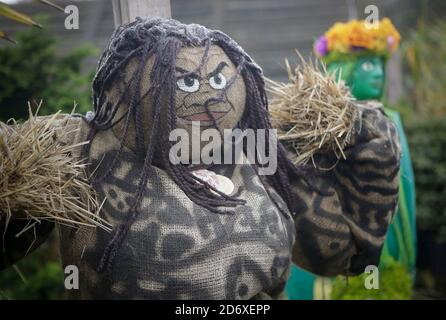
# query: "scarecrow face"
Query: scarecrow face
{"points": [[368, 78], [205, 87], [214, 92], [364, 76]]}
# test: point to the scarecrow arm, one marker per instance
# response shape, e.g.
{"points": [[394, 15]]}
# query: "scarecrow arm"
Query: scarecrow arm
{"points": [[341, 229], [18, 236], [12, 250], [35, 159]]}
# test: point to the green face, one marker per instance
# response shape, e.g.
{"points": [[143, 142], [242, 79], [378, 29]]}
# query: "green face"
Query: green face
{"points": [[364, 76]]}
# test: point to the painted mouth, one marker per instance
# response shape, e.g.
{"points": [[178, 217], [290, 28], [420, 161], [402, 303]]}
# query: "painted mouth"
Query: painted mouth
{"points": [[204, 116], [376, 84]]}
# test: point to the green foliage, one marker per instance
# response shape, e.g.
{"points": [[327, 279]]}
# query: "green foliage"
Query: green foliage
{"points": [[427, 140], [394, 284], [423, 110], [38, 276], [33, 70], [425, 57]]}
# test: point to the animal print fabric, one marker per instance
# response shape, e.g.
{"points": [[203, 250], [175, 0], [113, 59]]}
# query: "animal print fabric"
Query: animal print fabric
{"points": [[178, 250], [342, 230]]}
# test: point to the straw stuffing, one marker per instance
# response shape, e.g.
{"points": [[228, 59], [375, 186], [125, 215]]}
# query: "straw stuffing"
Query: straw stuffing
{"points": [[313, 112], [40, 180]]}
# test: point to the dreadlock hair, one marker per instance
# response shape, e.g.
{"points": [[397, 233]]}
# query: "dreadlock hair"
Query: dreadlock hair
{"points": [[163, 39]]}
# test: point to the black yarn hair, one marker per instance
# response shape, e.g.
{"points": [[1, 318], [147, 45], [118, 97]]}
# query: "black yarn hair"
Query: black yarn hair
{"points": [[163, 39]]}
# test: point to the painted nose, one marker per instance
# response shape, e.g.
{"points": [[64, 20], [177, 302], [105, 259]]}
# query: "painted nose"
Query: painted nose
{"points": [[200, 98], [378, 73]]}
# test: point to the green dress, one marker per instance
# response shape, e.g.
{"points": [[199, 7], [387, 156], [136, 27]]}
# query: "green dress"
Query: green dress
{"points": [[401, 238]]}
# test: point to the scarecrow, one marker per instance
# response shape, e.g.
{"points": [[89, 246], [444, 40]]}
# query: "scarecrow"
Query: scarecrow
{"points": [[357, 53], [197, 230]]}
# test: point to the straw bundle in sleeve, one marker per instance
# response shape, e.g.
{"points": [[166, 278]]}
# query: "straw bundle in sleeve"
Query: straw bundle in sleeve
{"points": [[313, 112], [39, 177]]}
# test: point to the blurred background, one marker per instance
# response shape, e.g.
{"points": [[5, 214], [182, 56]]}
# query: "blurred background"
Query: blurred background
{"points": [[57, 65]]}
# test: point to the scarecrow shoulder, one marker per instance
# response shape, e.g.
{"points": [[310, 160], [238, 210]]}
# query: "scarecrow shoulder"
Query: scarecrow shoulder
{"points": [[374, 135], [69, 129]]}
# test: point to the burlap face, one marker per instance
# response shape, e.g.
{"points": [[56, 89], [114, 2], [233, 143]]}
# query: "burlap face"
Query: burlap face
{"points": [[208, 86], [208, 90]]}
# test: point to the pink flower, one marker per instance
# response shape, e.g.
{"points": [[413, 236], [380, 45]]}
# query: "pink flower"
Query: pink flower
{"points": [[321, 46], [390, 41]]}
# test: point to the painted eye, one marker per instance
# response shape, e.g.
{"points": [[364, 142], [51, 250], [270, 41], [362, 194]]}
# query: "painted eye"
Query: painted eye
{"points": [[217, 81], [367, 66], [188, 84]]}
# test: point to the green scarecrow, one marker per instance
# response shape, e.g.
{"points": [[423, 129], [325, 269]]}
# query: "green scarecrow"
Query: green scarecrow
{"points": [[357, 53]]}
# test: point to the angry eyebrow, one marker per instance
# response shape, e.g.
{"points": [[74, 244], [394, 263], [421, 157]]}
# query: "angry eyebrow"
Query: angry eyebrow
{"points": [[217, 70], [186, 73]]}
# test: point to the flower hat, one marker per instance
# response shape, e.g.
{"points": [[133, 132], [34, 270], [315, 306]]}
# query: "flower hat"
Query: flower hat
{"points": [[357, 37]]}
